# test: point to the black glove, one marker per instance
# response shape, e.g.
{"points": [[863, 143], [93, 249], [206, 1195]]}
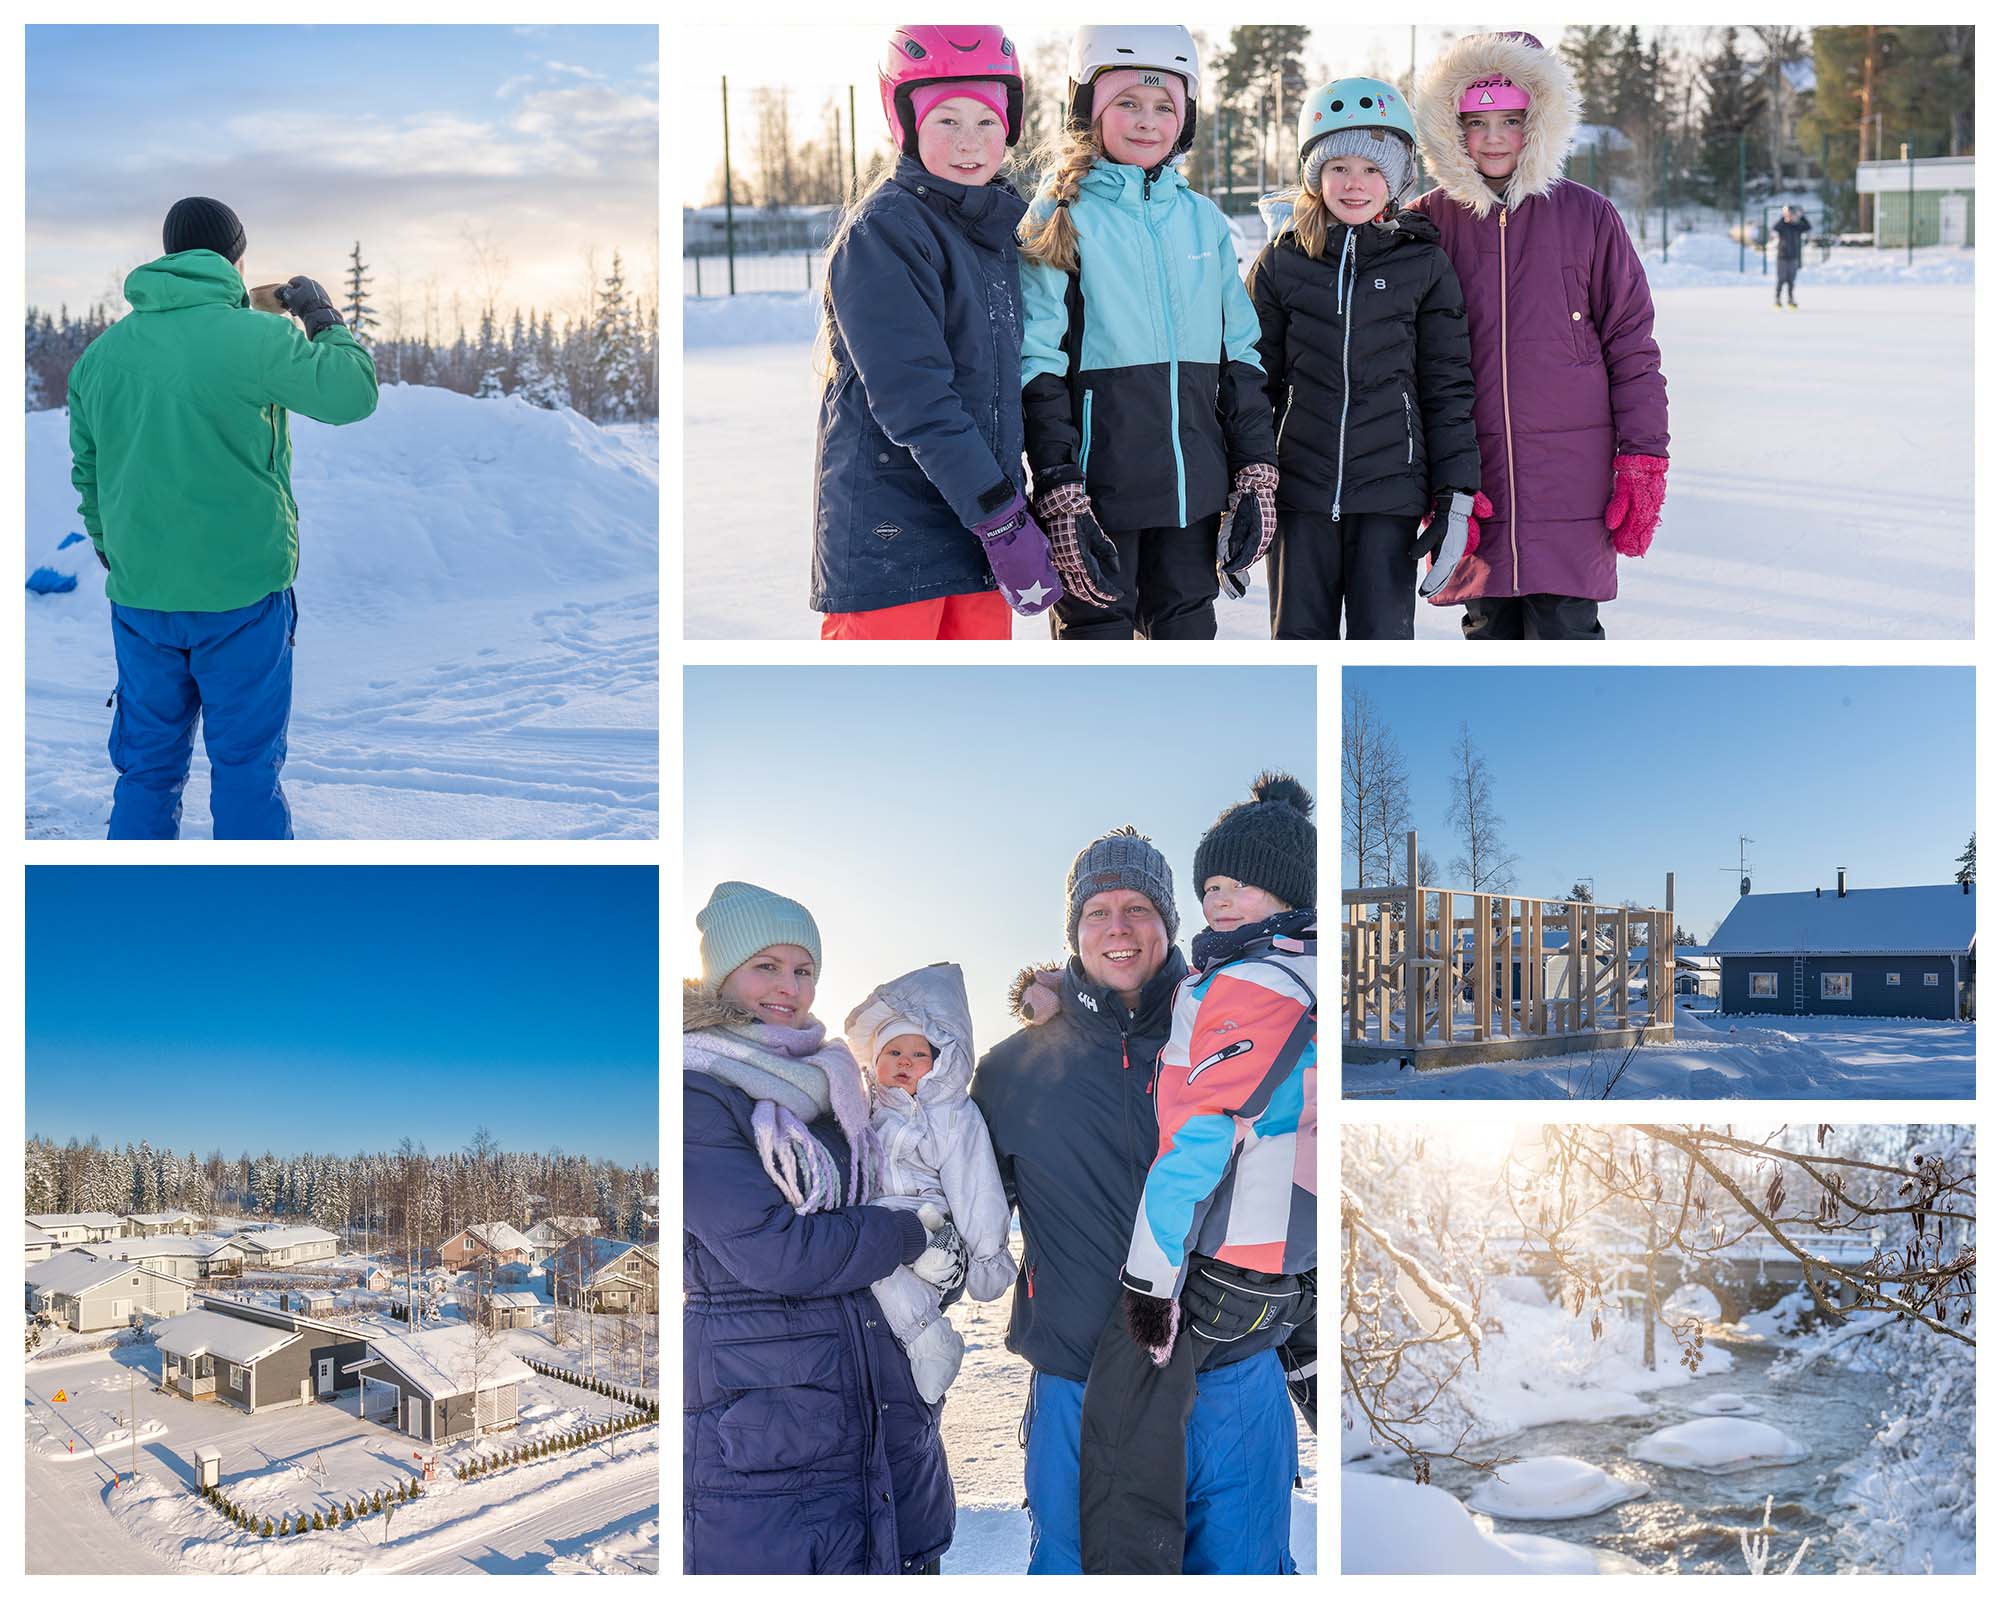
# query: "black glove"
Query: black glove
{"points": [[1299, 1355], [103, 560], [307, 301], [1222, 1303]]}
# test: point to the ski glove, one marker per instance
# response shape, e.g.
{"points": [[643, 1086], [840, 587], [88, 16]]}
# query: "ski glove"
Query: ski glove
{"points": [[1083, 552], [943, 1262], [1436, 526], [1299, 1356], [1638, 490], [1223, 1304], [1018, 552], [1248, 525], [307, 301], [103, 560], [1152, 1322]]}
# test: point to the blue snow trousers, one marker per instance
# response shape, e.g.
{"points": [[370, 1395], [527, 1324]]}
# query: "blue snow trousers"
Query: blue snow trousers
{"points": [[1242, 1455], [233, 670]]}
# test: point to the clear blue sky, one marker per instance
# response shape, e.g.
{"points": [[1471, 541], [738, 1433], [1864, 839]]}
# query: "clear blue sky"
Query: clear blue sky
{"points": [[341, 1008], [546, 139], [1624, 774], [932, 815]]}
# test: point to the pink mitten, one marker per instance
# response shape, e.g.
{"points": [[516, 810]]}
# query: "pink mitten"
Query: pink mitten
{"points": [[1638, 490], [1481, 507]]}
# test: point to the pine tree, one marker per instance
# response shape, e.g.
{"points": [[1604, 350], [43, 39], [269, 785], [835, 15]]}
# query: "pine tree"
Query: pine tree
{"points": [[490, 386], [1967, 861], [360, 315], [613, 351], [1733, 103]]}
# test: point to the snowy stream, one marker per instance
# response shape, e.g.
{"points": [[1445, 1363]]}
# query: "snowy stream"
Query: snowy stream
{"points": [[1689, 1522]]}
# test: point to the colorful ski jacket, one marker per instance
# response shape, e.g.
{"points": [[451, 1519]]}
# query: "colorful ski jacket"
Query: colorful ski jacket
{"points": [[1237, 1094], [181, 450], [1139, 372], [920, 422], [934, 1143], [1367, 369], [1561, 321]]}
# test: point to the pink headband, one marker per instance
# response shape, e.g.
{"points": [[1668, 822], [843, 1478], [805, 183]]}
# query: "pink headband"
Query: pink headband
{"points": [[1110, 85], [926, 97]]}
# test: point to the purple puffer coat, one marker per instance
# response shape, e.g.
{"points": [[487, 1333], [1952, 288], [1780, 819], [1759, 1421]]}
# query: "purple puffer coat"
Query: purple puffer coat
{"points": [[1561, 324]]}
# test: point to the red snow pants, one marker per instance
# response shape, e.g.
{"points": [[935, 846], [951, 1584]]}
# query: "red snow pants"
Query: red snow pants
{"points": [[953, 616]]}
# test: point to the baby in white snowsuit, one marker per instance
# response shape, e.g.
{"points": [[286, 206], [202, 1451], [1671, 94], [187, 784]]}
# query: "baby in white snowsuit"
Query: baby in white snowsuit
{"points": [[914, 1037]]}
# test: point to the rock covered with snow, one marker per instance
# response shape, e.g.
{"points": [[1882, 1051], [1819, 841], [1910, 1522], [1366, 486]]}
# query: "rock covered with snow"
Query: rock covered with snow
{"points": [[1719, 1444], [1725, 1404], [1389, 1526], [1551, 1488]]}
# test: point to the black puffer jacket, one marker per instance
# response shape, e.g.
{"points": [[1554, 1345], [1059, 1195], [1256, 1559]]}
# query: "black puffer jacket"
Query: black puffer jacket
{"points": [[1403, 370]]}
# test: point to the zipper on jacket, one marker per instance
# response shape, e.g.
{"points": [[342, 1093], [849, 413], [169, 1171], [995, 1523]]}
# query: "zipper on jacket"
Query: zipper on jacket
{"points": [[1507, 413], [1031, 1281], [1287, 417], [1083, 454], [274, 439], [1173, 356], [1409, 433], [1346, 338]]}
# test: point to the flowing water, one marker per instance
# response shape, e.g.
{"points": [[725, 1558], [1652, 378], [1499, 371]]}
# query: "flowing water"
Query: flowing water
{"points": [[1689, 1522]]}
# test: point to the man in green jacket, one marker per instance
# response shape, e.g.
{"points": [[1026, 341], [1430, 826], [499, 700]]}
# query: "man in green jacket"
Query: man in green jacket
{"points": [[182, 454]]}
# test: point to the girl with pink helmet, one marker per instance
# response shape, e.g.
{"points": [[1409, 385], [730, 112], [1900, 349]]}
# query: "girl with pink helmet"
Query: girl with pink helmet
{"points": [[921, 528], [1571, 406]]}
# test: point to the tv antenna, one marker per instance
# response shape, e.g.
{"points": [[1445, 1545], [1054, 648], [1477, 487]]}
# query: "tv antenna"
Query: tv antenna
{"points": [[1742, 867]]}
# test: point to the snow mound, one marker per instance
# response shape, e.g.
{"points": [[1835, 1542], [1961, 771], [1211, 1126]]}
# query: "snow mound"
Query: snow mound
{"points": [[749, 319], [1725, 1404], [1692, 1300], [1719, 1444], [1517, 1291], [1550, 1488], [1387, 1526]]}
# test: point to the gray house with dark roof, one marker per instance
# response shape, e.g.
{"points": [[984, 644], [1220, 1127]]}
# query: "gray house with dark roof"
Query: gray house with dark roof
{"points": [[1904, 952]]}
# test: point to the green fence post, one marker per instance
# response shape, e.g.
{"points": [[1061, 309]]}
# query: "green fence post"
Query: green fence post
{"points": [[728, 190], [1666, 167], [1910, 207], [1742, 211]]}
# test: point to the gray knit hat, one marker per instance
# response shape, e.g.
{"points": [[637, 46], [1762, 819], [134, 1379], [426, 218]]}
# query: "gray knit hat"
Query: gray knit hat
{"points": [[1268, 842], [1123, 859], [740, 919], [1387, 148]]}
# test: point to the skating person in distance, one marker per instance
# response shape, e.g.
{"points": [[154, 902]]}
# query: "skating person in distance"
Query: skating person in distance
{"points": [[1225, 1241], [921, 529], [1069, 1102], [1570, 404], [182, 455], [916, 1034], [1369, 374], [1790, 229], [1148, 433], [806, 1447]]}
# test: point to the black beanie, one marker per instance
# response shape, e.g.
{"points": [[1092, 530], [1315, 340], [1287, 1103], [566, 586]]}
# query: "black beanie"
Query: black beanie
{"points": [[198, 223], [1268, 842]]}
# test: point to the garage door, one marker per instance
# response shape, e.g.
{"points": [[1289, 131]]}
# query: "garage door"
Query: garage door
{"points": [[378, 1399], [496, 1407]]}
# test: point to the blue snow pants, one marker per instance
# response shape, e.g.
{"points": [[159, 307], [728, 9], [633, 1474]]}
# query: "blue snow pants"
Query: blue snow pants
{"points": [[1242, 1455], [233, 670]]}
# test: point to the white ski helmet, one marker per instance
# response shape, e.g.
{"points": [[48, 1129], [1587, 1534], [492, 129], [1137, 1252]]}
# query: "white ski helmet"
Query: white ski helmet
{"points": [[1105, 46]]}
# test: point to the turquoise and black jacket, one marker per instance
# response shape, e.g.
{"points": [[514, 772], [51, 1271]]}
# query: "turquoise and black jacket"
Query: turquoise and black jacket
{"points": [[1139, 372]]}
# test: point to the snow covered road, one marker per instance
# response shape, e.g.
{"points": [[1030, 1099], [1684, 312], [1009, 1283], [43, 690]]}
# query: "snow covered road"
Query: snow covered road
{"points": [[555, 1527]]}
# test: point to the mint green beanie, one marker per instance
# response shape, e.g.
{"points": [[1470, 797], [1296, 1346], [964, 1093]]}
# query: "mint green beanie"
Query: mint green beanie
{"points": [[740, 919]]}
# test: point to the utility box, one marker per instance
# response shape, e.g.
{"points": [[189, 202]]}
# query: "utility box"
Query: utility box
{"points": [[207, 1467]]}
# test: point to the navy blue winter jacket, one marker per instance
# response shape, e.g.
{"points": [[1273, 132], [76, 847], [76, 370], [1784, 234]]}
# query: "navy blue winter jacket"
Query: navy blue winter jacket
{"points": [[805, 1446], [920, 423], [1069, 1105]]}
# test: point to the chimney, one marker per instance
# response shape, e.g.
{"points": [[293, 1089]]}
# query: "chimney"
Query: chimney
{"points": [[1965, 886], [1743, 886], [1842, 871], [1815, 891]]}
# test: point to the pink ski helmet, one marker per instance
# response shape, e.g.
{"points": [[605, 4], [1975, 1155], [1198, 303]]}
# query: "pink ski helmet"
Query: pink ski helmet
{"points": [[925, 53], [1496, 91]]}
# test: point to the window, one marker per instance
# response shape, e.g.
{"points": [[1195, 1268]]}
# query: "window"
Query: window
{"points": [[1893, 979], [1836, 986], [236, 1378], [1930, 980], [1763, 986]]}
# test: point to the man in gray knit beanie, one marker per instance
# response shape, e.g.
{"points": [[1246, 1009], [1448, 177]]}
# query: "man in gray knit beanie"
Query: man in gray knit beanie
{"points": [[1121, 918]]}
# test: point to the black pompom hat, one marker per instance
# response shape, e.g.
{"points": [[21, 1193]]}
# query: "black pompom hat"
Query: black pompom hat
{"points": [[1268, 842]]}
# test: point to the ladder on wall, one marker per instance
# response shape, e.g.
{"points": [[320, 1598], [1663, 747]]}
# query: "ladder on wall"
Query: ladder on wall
{"points": [[1798, 986]]}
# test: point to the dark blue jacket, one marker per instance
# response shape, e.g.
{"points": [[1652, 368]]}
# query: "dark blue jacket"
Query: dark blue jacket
{"points": [[805, 1446], [1069, 1106], [920, 423]]}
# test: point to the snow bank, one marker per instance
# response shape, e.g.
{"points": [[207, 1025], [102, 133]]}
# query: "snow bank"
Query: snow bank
{"points": [[1391, 1527], [1551, 1488], [1709, 260], [749, 319], [1719, 1444], [1725, 1404]]}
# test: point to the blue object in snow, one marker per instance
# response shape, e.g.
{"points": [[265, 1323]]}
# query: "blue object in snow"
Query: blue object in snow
{"points": [[70, 539], [46, 580]]}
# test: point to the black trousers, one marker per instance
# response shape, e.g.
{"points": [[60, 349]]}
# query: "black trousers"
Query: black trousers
{"points": [[1360, 564], [1167, 588], [1532, 616], [1788, 280]]}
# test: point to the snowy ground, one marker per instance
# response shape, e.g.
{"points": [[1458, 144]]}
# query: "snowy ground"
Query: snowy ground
{"points": [[478, 643], [587, 1510], [982, 1422], [1718, 1058], [1806, 500]]}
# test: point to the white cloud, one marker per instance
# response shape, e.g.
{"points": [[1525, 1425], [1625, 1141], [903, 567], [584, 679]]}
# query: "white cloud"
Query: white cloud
{"points": [[519, 81], [576, 72]]}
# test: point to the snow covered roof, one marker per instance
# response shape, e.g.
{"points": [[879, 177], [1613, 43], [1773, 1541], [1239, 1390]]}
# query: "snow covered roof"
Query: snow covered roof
{"points": [[515, 1297], [500, 1236], [75, 1219], [78, 1272], [1922, 919], [439, 1361], [209, 1333], [284, 1238], [595, 1253], [161, 1216], [139, 1249], [36, 1236]]}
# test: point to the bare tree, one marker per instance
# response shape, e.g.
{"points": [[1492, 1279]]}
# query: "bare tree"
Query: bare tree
{"points": [[777, 167], [1486, 863], [1783, 44], [1374, 791]]}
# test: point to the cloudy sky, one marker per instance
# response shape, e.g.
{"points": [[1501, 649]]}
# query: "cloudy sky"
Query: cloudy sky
{"points": [[431, 145]]}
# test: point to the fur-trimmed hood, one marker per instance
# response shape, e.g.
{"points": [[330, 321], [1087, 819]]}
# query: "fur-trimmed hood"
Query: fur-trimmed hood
{"points": [[1553, 115], [703, 1009], [1035, 995]]}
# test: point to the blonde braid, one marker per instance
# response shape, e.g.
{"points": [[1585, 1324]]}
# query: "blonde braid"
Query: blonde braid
{"points": [[1051, 241]]}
